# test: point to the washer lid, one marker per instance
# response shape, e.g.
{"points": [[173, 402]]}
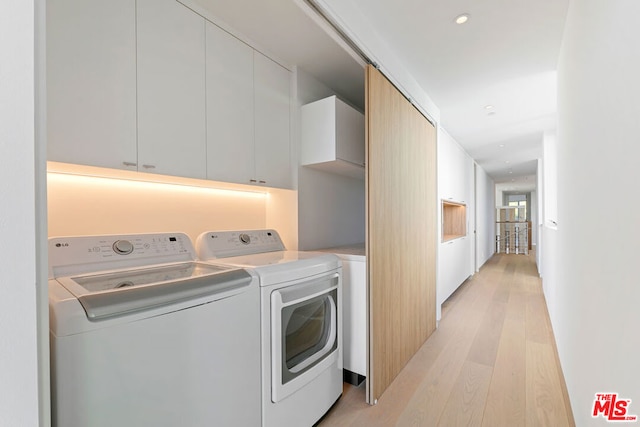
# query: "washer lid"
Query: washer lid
{"points": [[117, 293], [145, 276]]}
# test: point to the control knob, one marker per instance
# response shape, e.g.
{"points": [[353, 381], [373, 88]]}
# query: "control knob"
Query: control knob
{"points": [[244, 238], [123, 247]]}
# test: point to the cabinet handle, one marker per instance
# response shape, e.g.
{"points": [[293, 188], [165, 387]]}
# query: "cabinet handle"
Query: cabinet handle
{"points": [[149, 166], [262, 182], [252, 180], [129, 164]]}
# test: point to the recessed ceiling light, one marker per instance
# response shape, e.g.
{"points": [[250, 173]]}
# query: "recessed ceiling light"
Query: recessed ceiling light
{"points": [[461, 19], [488, 107], [506, 161], [501, 145]]}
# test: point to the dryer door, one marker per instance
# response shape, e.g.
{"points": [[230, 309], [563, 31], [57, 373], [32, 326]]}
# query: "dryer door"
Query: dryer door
{"points": [[304, 330]]}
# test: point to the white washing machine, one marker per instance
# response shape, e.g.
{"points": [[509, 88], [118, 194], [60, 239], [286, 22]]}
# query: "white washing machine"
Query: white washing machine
{"points": [[142, 335], [301, 322]]}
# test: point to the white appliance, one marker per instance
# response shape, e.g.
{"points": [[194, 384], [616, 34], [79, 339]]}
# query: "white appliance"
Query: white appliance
{"points": [[301, 322], [142, 335]]}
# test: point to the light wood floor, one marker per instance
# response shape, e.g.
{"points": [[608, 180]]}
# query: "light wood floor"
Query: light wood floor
{"points": [[491, 362]]}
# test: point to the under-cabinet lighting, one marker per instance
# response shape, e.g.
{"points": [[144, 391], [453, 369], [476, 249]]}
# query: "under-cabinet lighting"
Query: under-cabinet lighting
{"points": [[142, 184], [461, 19]]}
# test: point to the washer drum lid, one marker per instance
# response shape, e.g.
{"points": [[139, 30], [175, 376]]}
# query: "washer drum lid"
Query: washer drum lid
{"points": [[104, 305]]}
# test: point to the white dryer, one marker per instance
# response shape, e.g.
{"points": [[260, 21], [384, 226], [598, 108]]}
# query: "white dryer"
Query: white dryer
{"points": [[142, 335], [301, 322]]}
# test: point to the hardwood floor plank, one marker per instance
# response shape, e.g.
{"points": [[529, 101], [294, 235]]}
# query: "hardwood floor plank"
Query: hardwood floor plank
{"points": [[466, 403], [506, 402], [428, 402], [485, 345], [545, 402], [537, 325], [396, 398], [492, 361]]}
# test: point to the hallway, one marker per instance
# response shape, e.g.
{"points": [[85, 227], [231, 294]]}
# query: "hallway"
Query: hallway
{"points": [[492, 361]]}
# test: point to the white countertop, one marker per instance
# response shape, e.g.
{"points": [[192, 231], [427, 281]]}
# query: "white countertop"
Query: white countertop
{"points": [[355, 252]]}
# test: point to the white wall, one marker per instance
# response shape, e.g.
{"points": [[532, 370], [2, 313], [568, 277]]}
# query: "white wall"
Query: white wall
{"points": [[533, 209], [550, 177], [485, 217], [84, 205], [598, 294], [540, 217], [331, 208], [18, 306]]}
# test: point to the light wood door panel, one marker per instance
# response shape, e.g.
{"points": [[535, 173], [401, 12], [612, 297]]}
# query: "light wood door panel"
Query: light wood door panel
{"points": [[401, 231]]}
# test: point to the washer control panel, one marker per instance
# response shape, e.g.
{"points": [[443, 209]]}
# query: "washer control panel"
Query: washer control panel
{"points": [[224, 244], [120, 250]]}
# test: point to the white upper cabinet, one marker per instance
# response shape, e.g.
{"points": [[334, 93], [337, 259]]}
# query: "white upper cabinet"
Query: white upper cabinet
{"points": [[230, 127], [333, 137], [91, 82], [272, 122], [454, 170], [171, 89], [150, 85]]}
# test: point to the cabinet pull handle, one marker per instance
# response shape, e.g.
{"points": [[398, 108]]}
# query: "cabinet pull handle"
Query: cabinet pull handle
{"points": [[252, 180], [129, 164], [149, 166], [262, 182]]}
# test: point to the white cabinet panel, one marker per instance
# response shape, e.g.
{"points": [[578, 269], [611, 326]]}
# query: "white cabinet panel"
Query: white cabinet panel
{"points": [[453, 266], [171, 89], [354, 309], [333, 137], [349, 134], [454, 170], [91, 82], [230, 127], [272, 115]]}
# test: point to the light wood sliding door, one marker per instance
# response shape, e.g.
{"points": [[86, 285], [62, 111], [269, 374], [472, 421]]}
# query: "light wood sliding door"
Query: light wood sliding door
{"points": [[401, 231]]}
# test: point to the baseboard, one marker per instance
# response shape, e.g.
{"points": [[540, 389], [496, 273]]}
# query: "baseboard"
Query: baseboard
{"points": [[352, 378]]}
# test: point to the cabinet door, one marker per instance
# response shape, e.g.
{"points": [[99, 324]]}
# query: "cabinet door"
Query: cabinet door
{"points": [[272, 150], [91, 82], [171, 89], [349, 134], [230, 153]]}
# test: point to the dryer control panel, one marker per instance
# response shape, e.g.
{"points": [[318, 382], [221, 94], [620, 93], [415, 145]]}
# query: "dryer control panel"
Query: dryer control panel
{"points": [[73, 255], [224, 244]]}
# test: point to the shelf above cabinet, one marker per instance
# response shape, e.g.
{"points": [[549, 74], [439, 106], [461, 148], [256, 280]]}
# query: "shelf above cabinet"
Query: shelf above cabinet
{"points": [[333, 137]]}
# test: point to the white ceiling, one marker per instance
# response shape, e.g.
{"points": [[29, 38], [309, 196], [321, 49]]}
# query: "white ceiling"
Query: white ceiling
{"points": [[505, 56]]}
